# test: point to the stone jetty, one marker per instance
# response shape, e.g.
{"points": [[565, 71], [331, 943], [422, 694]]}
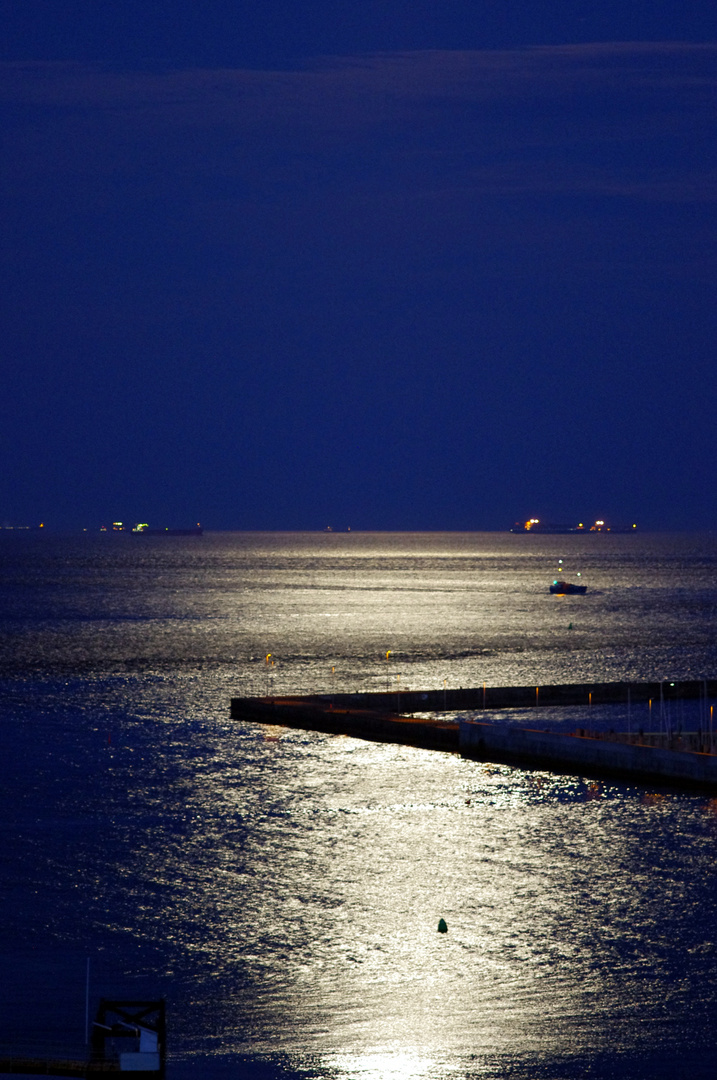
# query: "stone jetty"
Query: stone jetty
{"points": [[684, 759]]}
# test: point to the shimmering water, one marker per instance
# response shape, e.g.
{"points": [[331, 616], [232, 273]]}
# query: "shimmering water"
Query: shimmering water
{"points": [[282, 889]]}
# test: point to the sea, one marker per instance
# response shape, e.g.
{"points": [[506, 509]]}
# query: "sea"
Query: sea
{"points": [[282, 889]]}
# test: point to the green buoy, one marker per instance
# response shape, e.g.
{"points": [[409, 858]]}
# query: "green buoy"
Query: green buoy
{"points": [[442, 926]]}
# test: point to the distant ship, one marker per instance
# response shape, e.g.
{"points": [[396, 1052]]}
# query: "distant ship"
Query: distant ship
{"points": [[142, 529], [145, 530], [198, 531], [535, 525], [566, 588]]}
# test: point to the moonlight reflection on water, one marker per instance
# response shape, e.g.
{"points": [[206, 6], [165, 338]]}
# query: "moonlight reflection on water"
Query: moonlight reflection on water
{"points": [[283, 888]]}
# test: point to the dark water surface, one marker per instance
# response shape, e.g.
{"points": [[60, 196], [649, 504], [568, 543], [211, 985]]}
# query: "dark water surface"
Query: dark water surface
{"points": [[281, 888]]}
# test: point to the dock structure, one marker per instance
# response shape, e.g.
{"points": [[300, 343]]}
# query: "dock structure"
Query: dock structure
{"points": [[127, 1036], [515, 697], [21, 1065], [665, 758], [594, 754], [323, 714]]}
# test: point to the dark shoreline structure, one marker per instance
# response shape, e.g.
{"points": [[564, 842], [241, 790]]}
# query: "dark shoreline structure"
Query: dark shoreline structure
{"points": [[675, 759], [127, 1036]]}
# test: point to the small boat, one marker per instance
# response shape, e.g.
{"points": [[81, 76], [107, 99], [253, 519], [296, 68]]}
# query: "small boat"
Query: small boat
{"points": [[566, 588]]}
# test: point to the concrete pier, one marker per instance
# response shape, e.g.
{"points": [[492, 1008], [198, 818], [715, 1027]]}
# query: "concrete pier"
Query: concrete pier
{"points": [[519, 697], [587, 754], [312, 714], [655, 757]]}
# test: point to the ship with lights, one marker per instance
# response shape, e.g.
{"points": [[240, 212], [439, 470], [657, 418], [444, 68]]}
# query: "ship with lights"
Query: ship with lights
{"points": [[143, 529], [537, 525]]}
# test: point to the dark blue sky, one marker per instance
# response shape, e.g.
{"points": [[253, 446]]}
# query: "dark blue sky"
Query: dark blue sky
{"points": [[391, 265]]}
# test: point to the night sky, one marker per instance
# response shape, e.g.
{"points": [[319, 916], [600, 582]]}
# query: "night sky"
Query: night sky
{"points": [[396, 264]]}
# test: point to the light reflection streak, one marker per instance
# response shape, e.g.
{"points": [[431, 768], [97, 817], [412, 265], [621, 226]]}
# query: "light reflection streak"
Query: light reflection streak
{"points": [[323, 866], [381, 1065], [286, 887]]}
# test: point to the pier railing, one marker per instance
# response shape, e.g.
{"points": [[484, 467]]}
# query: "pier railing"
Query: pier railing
{"points": [[516, 697]]}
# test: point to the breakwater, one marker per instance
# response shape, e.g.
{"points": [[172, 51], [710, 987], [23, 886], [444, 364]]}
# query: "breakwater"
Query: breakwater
{"points": [[653, 757], [589, 754], [315, 714], [517, 697]]}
